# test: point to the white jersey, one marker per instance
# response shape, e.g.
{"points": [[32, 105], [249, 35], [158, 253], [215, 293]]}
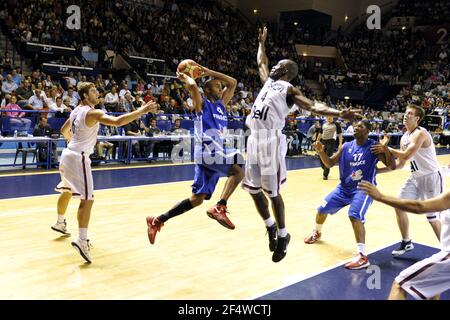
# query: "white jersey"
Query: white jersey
{"points": [[424, 160], [83, 138], [270, 108]]}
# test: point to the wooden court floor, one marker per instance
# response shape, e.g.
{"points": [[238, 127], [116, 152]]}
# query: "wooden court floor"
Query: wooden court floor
{"points": [[193, 257]]}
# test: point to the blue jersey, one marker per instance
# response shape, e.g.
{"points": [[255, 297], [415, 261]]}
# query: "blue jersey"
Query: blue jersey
{"points": [[209, 129], [357, 163]]}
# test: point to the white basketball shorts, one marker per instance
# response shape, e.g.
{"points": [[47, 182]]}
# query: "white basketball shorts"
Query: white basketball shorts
{"points": [[265, 166], [427, 278], [422, 188], [76, 175]]}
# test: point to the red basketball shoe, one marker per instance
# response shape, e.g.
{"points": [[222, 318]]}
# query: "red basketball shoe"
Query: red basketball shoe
{"points": [[219, 213], [154, 225], [313, 237], [359, 262]]}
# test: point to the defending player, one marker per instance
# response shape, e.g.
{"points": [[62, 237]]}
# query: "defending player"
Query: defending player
{"points": [[356, 163], [265, 168]]}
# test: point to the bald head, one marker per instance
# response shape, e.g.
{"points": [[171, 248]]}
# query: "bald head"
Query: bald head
{"points": [[286, 69]]}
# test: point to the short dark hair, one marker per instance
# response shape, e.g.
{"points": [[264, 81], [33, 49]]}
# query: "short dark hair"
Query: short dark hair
{"points": [[367, 124], [419, 111], [208, 83]]}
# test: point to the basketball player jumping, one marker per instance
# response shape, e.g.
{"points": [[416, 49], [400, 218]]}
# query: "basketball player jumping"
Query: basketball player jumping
{"points": [[428, 278], [75, 167], [265, 168], [425, 181], [212, 160]]}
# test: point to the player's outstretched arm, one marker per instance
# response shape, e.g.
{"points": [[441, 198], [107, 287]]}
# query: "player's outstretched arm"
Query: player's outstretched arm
{"points": [[384, 155], [440, 203], [399, 164], [417, 141], [95, 116], [320, 108], [230, 83], [327, 161], [194, 91], [261, 57]]}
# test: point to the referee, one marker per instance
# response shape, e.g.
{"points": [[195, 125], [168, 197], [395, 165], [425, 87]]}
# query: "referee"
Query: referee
{"points": [[330, 129]]}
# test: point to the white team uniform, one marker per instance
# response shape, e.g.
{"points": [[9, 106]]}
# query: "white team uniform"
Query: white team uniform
{"points": [[430, 276], [75, 165], [265, 167], [426, 180]]}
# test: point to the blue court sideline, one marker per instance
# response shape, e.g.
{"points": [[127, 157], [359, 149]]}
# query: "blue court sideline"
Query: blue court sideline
{"points": [[42, 184], [342, 284]]}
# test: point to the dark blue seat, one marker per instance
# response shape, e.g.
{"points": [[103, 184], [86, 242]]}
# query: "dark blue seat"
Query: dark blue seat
{"points": [[164, 125], [56, 123], [235, 124], [187, 124]]}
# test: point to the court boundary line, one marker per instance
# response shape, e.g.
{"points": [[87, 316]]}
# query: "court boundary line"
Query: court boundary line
{"points": [[151, 184], [128, 187], [140, 166], [264, 293], [56, 171]]}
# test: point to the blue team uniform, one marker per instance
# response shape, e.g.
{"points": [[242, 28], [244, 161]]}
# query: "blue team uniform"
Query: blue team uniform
{"points": [[355, 164], [212, 160]]}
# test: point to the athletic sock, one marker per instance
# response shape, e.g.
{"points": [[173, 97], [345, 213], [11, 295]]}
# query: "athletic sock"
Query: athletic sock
{"points": [[282, 233], [222, 202], [361, 247], [318, 227], [180, 208], [269, 222], [60, 218], [83, 234]]}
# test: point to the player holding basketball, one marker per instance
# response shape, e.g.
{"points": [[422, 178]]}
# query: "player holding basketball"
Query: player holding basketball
{"points": [[212, 160], [75, 167], [430, 277], [265, 168], [356, 163], [425, 181]]}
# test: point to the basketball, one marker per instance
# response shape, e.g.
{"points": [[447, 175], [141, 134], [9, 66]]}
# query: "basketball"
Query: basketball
{"points": [[190, 67]]}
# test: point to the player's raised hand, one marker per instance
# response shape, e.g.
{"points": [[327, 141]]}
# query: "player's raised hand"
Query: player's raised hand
{"points": [[185, 78], [205, 71], [150, 106], [379, 148], [318, 146], [262, 35], [369, 189], [350, 114]]}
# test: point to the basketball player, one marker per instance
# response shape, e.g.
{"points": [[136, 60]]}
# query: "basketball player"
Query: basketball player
{"points": [[265, 168], [425, 181], [75, 167], [356, 162], [430, 277], [212, 160]]}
